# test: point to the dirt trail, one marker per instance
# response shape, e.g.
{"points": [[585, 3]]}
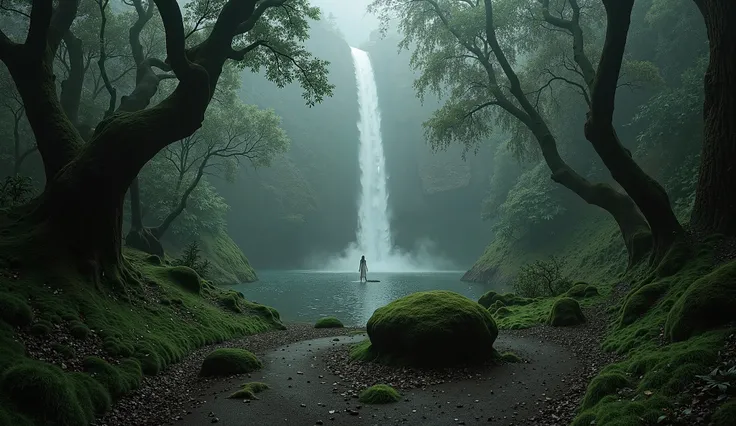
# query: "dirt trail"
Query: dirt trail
{"points": [[304, 392]]}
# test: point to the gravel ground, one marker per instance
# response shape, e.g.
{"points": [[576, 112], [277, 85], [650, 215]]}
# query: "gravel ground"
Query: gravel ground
{"points": [[164, 398]]}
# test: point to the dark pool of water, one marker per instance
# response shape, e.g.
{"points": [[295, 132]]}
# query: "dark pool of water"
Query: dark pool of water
{"points": [[305, 296]]}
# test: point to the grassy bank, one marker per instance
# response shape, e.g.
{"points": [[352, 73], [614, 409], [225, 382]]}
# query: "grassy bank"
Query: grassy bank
{"points": [[670, 327], [68, 350]]}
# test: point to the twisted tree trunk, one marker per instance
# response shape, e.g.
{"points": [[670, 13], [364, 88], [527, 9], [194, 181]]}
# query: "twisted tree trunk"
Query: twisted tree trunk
{"points": [[715, 201]]}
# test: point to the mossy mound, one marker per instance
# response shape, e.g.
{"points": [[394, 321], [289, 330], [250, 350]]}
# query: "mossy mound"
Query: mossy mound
{"points": [[496, 305], [581, 291], [228, 264], [640, 301], [249, 391], [41, 328], [79, 330], [48, 395], [328, 322], [229, 361], [601, 386], [429, 329], [14, 310], [725, 415], [565, 312], [379, 394], [708, 303], [487, 299], [118, 380], [502, 312], [187, 278]]}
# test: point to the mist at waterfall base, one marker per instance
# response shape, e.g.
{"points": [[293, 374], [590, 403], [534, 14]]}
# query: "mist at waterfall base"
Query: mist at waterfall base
{"points": [[373, 236]]}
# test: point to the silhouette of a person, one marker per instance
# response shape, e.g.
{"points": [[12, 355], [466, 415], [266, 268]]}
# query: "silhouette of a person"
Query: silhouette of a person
{"points": [[363, 269]]}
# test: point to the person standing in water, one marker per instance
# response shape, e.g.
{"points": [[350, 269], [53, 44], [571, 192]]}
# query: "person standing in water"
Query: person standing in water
{"points": [[363, 269]]}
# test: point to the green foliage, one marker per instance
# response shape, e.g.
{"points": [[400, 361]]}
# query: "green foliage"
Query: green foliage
{"points": [[542, 278], [379, 394], [530, 204], [328, 322], [137, 336], [228, 362], [49, 395], [433, 328], [566, 312], [281, 31], [601, 386], [118, 380], [227, 263], [725, 414], [14, 311], [16, 190], [191, 258], [249, 391], [706, 304]]}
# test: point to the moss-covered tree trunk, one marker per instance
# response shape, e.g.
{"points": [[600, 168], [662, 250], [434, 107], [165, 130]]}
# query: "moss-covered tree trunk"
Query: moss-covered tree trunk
{"points": [[648, 194], [715, 201]]}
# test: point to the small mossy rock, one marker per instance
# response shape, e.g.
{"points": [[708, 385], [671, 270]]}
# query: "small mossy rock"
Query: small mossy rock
{"points": [[79, 330], [496, 305], [64, 350], [502, 312], [328, 322], [433, 328], [641, 300], [187, 278], [379, 394], [249, 391], [591, 291], [708, 303], [511, 299], [154, 260], [41, 328], [581, 291], [229, 361], [565, 312], [487, 299], [46, 393], [118, 380], [725, 415], [14, 310], [601, 386]]}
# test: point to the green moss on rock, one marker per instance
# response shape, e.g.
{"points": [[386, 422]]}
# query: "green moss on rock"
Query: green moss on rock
{"points": [[640, 301], [582, 290], [14, 310], [601, 386], [433, 328], [725, 414], [249, 391], [510, 357], [328, 322], [379, 394], [118, 380], [48, 395], [229, 361], [496, 305], [502, 312], [708, 303], [41, 328], [487, 299], [565, 312], [79, 330], [187, 278]]}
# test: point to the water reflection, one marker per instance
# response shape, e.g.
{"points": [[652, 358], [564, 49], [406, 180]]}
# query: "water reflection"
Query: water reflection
{"points": [[305, 296]]}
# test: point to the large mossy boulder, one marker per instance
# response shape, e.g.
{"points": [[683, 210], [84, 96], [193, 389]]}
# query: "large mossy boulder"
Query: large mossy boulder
{"points": [[228, 362], [432, 329], [565, 312], [487, 299], [708, 303]]}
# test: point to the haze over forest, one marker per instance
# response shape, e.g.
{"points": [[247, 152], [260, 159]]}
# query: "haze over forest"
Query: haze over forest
{"points": [[359, 212]]}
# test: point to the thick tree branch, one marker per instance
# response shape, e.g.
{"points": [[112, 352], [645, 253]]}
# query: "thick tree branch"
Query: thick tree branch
{"points": [[574, 28], [101, 61], [71, 87], [256, 15], [38, 29]]}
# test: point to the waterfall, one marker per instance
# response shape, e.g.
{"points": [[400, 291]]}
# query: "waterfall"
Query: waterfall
{"points": [[374, 231], [373, 236]]}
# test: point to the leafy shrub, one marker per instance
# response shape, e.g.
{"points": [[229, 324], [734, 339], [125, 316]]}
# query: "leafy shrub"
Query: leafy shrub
{"points": [[192, 258], [15, 190], [542, 278]]}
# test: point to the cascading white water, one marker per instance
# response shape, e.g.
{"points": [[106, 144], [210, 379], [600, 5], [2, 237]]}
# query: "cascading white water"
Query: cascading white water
{"points": [[374, 231], [373, 236]]}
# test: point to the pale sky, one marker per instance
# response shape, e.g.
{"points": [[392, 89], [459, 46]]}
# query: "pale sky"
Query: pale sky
{"points": [[352, 19]]}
